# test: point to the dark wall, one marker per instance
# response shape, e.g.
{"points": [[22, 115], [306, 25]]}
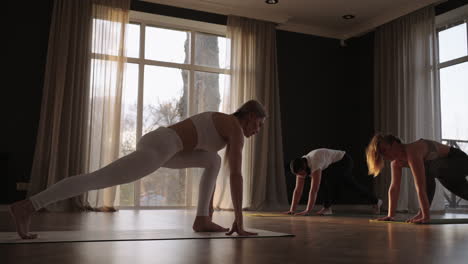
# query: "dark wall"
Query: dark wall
{"points": [[27, 36], [359, 76], [326, 99], [449, 5]]}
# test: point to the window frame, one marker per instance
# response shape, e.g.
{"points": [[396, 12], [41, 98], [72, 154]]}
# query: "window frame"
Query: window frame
{"points": [[449, 63], [171, 23], [442, 24], [452, 61]]}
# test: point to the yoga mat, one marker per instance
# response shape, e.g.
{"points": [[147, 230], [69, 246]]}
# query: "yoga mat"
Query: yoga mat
{"points": [[313, 214], [431, 222], [126, 235], [267, 214]]}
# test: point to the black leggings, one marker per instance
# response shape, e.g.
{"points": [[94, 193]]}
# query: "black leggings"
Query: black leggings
{"points": [[337, 175], [451, 171]]}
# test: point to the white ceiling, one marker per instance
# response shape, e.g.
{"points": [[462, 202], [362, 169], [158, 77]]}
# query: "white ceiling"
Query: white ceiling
{"points": [[315, 17]]}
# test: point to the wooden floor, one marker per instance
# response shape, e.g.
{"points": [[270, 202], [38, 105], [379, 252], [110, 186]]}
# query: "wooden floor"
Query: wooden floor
{"points": [[317, 240]]}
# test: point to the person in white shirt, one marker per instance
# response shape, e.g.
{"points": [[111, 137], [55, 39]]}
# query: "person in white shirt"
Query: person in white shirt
{"points": [[328, 169]]}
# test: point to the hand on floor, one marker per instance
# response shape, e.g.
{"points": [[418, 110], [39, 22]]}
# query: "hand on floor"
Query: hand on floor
{"points": [[239, 230]]}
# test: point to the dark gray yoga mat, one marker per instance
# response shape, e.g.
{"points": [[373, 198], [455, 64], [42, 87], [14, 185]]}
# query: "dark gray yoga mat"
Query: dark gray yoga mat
{"points": [[126, 235], [309, 215], [444, 221]]}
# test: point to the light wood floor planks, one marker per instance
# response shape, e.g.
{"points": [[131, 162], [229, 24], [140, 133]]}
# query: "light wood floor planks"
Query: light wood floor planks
{"points": [[318, 240]]}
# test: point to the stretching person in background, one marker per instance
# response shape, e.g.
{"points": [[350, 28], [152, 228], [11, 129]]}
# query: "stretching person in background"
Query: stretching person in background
{"points": [[427, 160], [328, 170], [191, 143]]}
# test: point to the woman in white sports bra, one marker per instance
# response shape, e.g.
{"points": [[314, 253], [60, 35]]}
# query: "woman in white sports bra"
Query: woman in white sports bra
{"points": [[191, 143], [427, 160]]}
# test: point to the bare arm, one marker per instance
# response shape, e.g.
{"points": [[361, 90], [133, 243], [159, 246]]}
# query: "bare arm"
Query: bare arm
{"points": [[236, 143], [314, 186], [235, 165], [394, 190], [416, 164], [297, 193]]}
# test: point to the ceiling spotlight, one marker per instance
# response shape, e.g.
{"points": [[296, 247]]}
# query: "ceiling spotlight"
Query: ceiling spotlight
{"points": [[348, 16], [271, 2]]}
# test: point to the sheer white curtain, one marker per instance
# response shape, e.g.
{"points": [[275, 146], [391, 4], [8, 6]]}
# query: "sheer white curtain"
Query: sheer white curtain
{"points": [[254, 76], [71, 111], [61, 138], [106, 88], [406, 99]]}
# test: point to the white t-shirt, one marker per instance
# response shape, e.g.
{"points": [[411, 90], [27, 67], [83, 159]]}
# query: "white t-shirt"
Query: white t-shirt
{"points": [[322, 158]]}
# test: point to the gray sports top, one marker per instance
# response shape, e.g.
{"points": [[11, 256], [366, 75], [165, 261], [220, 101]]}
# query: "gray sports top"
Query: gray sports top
{"points": [[432, 150]]}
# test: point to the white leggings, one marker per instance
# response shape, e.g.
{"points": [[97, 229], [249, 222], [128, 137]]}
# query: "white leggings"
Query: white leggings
{"points": [[159, 148]]}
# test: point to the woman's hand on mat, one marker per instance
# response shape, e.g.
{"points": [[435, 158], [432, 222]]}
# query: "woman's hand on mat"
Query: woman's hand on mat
{"points": [[239, 229], [290, 212], [305, 212], [385, 218]]}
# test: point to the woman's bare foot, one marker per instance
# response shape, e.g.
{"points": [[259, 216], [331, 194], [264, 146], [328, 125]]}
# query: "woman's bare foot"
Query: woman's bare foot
{"points": [[107, 209], [211, 214], [377, 207], [325, 211], [204, 224], [21, 212]]}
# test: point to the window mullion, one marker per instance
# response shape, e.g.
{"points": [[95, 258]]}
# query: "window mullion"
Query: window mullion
{"points": [[191, 107], [139, 132], [191, 102], [453, 62], [179, 66], [166, 64]]}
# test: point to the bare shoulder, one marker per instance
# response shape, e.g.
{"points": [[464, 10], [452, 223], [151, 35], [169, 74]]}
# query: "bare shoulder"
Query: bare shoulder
{"points": [[421, 148], [416, 149], [227, 125]]}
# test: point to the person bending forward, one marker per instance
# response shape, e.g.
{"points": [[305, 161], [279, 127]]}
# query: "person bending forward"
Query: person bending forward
{"points": [[329, 169], [427, 160]]}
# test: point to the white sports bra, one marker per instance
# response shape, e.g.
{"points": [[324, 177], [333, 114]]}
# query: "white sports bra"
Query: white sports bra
{"points": [[208, 137]]}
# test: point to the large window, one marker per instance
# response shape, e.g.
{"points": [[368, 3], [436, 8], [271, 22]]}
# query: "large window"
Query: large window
{"points": [[172, 72], [453, 77], [453, 84]]}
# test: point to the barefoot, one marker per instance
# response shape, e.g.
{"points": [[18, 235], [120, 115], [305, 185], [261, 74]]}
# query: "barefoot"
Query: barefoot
{"points": [[21, 212], [107, 209], [211, 213], [325, 211], [377, 207], [204, 224]]}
